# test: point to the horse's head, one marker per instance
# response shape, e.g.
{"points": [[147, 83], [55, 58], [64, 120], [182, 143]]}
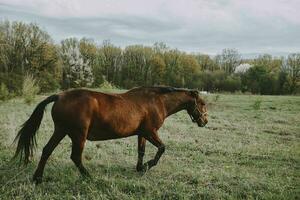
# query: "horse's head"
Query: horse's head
{"points": [[197, 109]]}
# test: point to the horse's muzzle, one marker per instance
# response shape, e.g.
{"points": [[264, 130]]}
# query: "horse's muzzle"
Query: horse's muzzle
{"points": [[201, 124]]}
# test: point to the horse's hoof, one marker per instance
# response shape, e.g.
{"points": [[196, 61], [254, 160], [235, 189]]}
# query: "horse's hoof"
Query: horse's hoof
{"points": [[145, 168], [142, 168], [86, 175], [37, 180]]}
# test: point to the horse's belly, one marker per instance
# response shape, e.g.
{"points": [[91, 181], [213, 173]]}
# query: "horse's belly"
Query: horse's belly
{"points": [[100, 133], [115, 125]]}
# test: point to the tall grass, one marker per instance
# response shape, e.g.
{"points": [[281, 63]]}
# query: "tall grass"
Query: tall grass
{"points": [[4, 93], [217, 97]]}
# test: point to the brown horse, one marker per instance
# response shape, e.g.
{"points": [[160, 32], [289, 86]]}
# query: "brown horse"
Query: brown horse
{"points": [[88, 115]]}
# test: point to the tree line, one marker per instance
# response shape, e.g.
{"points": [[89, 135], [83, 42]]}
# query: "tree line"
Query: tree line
{"points": [[27, 49]]}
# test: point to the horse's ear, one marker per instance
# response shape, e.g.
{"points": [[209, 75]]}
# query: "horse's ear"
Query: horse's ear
{"points": [[194, 93]]}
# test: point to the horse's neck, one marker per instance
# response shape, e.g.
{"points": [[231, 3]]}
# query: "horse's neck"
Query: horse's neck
{"points": [[175, 102]]}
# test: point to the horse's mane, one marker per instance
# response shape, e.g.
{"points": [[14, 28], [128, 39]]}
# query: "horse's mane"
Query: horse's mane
{"points": [[156, 89]]}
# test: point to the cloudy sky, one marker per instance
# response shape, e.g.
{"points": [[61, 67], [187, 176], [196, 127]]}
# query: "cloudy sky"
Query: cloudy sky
{"points": [[207, 26]]}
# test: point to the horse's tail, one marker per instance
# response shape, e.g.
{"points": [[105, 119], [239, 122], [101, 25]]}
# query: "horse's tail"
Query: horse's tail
{"points": [[27, 135]]}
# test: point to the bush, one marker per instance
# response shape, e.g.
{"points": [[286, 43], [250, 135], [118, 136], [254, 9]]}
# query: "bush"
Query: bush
{"points": [[230, 84], [4, 93], [106, 85], [211, 81], [257, 104], [12, 81], [218, 81], [30, 88]]}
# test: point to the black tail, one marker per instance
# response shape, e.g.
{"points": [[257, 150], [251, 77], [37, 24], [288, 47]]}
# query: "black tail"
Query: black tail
{"points": [[27, 135]]}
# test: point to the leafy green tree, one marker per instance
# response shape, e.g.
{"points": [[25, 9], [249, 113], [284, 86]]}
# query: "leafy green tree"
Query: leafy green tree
{"points": [[188, 67], [109, 62], [232, 83], [258, 81], [158, 69], [25, 48], [172, 75], [282, 83], [136, 65], [206, 62], [292, 67], [273, 65], [88, 50]]}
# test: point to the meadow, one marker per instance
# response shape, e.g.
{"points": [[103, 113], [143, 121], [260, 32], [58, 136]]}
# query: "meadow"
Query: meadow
{"points": [[250, 149]]}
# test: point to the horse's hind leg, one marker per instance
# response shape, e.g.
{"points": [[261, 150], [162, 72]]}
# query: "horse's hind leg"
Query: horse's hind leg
{"points": [[78, 142], [141, 153], [57, 136]]}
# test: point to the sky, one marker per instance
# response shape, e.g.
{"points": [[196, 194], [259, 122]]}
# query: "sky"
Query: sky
{"points": [[205, 26]]}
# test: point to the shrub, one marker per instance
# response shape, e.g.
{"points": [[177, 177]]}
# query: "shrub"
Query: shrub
{"points": [[30, 88], [211, 81], [106, 85], [231, 84], [4, 93], [257, 104], [12, 81]]}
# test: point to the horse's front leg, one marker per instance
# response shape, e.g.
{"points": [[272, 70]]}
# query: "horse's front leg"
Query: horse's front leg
{"points": [[141, 153], [155, 140]]}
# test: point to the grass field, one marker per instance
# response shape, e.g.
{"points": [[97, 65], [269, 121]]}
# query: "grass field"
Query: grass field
{"points": [[250, 149]]}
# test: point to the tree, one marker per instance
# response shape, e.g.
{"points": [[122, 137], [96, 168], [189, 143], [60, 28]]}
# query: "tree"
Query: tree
{"points": [[160, 48], [136, 65], [258, 81], [272, 65], [205, 62], [292, 67], [25, 48], [158, 68], [172, 76], [229, 60], [88, 50], [77, 72], [282, 83], [109, 60], [188, 67]]}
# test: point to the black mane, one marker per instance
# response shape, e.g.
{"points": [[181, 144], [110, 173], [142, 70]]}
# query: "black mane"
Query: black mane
{"points": [[157, 89]]}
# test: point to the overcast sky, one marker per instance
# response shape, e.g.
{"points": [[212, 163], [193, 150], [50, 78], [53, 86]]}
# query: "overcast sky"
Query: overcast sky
{"points": [[207, 26]]}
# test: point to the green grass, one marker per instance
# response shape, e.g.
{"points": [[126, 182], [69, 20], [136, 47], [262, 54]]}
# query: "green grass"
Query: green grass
{"points": [[243, 153]]}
